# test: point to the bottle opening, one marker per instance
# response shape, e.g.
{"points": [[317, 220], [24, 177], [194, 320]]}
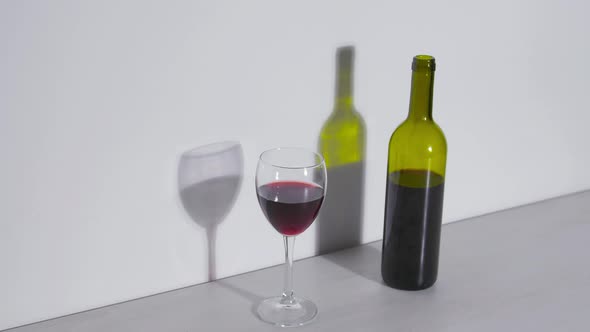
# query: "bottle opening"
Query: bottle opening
{"points": [[423, 63]]}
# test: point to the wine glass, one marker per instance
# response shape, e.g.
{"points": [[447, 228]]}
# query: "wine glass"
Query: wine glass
{"points": [[290, 184]]}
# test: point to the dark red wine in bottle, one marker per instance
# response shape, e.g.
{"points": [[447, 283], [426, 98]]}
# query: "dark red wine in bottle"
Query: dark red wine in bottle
{"points": [[413, 233]]}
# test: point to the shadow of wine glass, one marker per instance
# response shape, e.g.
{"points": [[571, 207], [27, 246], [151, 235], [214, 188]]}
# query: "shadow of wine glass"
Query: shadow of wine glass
{"points": [[209, 179], [342, 142]]}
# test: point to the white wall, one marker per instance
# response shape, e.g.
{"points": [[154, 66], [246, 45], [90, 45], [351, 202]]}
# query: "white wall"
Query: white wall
{"points": [[98, 99]]}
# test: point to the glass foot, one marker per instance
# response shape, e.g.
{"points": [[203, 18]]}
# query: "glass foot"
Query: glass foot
{"points": [[281, 312]]}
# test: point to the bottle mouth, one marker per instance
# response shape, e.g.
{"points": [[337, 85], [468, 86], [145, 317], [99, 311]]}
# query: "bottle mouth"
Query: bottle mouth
{"points": [[423, 63]]}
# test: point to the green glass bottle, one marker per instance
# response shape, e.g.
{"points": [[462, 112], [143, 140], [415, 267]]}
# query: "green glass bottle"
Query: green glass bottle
{"points": [[342, 143], [415, 185]]}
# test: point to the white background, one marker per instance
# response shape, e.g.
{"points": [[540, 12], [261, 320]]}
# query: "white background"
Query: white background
{"points": [[98, 99]]}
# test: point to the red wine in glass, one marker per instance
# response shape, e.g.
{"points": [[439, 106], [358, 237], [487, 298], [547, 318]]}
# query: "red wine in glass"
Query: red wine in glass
{"points": [[290, 206]]}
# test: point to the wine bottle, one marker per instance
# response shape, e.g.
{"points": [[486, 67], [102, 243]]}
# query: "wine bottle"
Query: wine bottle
{"points": [[342, 143], [415, 184]]}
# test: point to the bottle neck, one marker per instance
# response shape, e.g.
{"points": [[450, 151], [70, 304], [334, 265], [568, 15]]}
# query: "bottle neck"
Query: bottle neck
{"points": [[421, 95]]}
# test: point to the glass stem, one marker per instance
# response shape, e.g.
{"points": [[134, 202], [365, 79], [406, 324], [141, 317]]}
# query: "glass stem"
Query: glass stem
{"points": [[287, 297]]}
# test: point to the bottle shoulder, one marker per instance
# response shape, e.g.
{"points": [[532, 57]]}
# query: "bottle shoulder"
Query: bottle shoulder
{"points": [[419, 135]]}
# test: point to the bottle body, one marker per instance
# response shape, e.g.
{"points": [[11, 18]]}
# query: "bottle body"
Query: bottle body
{"points": [[415, 190]]}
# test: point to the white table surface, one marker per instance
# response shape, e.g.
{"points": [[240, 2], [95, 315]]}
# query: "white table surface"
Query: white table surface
{"points": [[523, 269]]}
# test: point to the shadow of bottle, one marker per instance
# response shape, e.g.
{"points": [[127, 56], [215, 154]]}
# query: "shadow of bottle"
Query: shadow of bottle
{"points": [[364, 261], [342, 143], [209, 179]]}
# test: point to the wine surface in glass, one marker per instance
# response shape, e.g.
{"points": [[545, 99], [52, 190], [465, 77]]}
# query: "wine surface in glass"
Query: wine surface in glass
{"points": [[290, 206]]}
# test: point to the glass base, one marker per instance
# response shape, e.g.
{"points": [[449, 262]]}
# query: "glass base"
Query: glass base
{"points": [[278, 311]]}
